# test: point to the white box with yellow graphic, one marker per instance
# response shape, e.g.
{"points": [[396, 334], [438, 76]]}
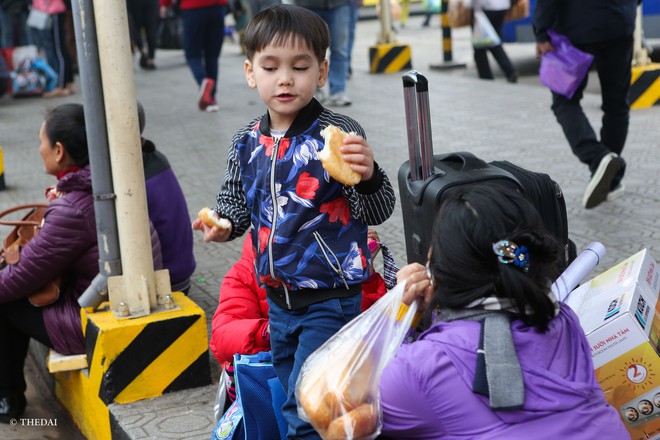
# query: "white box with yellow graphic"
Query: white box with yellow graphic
{"points": [[617, 312]]}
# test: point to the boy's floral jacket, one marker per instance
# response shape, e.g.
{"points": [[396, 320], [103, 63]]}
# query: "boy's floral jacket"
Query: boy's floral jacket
{"points": [[311, 231]]}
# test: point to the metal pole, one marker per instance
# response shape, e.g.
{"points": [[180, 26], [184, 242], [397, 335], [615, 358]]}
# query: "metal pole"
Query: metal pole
{"points": [[447, 54], [135, 290], [99, 159]]}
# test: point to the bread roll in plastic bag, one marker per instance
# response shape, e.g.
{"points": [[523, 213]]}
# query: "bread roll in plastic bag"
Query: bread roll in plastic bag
{"points": [[337, 389]]}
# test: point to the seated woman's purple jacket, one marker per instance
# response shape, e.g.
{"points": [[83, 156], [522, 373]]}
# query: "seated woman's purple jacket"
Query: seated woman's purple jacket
{"points": [[562, 397], [67, 246]]}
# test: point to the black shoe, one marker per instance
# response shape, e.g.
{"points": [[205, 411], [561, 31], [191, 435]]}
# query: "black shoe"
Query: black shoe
{"points": [[601, 181], [12, 407], [513, 78]]}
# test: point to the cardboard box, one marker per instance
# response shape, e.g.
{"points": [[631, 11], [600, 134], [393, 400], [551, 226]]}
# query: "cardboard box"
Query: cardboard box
{"points": [[617, 311]]}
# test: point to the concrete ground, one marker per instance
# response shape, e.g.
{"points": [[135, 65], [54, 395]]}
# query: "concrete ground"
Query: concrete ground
{"points": [[493, 119]]}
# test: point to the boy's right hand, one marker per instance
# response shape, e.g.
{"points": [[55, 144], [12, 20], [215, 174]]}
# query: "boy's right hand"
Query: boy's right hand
{"points": [[211, 233]]}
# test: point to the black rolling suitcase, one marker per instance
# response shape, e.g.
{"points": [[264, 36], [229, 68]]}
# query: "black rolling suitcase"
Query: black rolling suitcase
{"points": [[425, 177]]}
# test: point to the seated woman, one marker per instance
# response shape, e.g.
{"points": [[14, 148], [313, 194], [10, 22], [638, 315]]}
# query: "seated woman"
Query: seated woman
{"points": [[502, 359], [65, 247]]}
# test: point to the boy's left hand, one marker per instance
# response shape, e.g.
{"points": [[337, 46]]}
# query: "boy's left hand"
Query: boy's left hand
{"points": [[357, 152]]}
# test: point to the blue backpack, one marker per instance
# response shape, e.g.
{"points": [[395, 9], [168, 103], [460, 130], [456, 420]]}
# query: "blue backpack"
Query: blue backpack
{"points": [[256, 414]]}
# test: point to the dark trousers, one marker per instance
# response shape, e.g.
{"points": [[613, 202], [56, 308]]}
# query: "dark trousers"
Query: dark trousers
{"points": [[19, 321], [496, 19], [613, 63], [53, 43], [144, 15], [203, 34]]}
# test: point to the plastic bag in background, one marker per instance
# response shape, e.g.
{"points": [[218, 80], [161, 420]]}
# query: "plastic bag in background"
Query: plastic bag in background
{"points": [[483, 32], [563, 69], [337, 388], [432, 6]]}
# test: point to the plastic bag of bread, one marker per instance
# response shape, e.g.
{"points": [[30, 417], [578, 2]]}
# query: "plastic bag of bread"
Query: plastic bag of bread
{"points": [[337, 389]]}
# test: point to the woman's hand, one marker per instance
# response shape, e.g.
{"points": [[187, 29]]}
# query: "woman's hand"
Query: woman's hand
{"points": [[418, 285]]}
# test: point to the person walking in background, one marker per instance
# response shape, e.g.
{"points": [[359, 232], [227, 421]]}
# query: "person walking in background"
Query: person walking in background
{"points": [[338, 15], [603, 28], [53, 41], [500, 348], [311, 245], [203, 35], [144, 15], [495, 11], [168, 212]]}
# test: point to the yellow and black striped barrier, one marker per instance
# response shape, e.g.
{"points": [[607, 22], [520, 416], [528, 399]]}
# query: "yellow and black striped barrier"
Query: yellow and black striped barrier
{"points": [[2, 171], [645, 86], [134, 359], [389, 58]]}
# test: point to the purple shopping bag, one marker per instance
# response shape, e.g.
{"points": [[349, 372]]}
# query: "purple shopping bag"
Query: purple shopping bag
{"points": [[563, 69]]}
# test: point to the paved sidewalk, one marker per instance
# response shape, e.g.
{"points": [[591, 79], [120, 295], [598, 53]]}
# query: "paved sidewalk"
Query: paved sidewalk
{"points": [[493, 119]]}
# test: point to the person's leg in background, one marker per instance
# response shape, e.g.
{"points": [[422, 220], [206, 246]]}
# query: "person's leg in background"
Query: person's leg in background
{"points": [[351, 34], [6, 29], [481, 60], [151, 10], [214, 36], [64, 67], [338, 20], [133, 7], [496, 19], [193, 40], [405, 12], [613, 65], [603, 164], [19, 320]]}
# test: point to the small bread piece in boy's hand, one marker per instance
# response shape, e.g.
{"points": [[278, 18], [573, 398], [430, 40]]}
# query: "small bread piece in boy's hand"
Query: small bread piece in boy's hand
{"points": [[210, 220], [332, 160]]}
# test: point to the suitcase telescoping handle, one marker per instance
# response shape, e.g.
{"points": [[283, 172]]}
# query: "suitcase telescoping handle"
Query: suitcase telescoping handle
{"points": [[418, 124]]}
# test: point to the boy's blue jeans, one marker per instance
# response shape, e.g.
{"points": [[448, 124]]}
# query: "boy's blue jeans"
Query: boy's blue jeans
{"points": [[294, 335]]}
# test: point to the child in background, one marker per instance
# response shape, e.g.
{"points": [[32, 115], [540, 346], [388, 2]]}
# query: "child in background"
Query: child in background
{"points": [[310, 230]]}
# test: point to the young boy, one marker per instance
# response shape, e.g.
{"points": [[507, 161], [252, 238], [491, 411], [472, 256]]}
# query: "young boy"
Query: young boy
{"points": [[310, 237]]}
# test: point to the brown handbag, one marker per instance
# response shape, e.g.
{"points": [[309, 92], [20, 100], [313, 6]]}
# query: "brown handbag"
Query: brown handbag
{"points": [[24, 231]]}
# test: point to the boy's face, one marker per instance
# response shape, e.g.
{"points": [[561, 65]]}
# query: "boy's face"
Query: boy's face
{"points": [[286, 78]]}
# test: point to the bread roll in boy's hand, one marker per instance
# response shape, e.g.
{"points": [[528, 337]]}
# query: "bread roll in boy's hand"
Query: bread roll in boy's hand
{"points": [[332, 160], [210, 220]]}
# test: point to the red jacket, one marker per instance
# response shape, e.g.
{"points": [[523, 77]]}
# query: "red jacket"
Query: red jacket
{"points": [[241, 318], [194, 4]]}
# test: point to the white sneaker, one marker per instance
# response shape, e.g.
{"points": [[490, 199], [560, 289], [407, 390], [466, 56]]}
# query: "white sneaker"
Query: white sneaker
{"points": [[338, 100], [616, 192], [599, 185]]}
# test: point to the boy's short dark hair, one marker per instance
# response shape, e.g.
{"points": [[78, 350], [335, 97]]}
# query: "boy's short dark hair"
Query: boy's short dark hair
{"points": [[279, 24]]}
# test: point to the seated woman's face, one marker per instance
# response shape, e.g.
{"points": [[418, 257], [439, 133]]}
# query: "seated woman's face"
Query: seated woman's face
{"points": [[50, 156]]}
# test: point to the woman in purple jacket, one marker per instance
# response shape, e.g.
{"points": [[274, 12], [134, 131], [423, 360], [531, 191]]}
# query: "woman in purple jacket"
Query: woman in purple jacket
{"points": [[65, 246], [501, 359]]}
